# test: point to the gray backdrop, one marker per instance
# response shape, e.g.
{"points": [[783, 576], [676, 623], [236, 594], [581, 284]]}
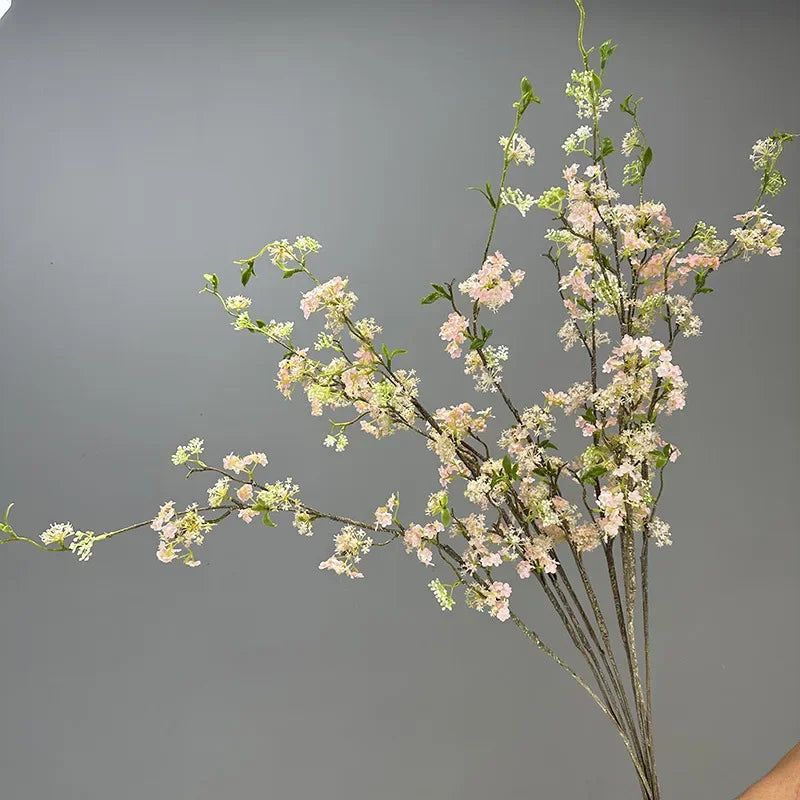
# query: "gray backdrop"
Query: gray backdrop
{"points": [[142, 144]]}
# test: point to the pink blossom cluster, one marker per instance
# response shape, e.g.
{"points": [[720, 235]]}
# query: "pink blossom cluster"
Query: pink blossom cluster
{"points": [[759, 238], [453, 332], [328, 294], [385, 514], [477, 552], [350, 544], [444, 446], [178, 533], [238, 464], [497, 599], [586, 537], [390, 405], [488, 287], [538, 555], [461, 420], [590, 428], [612, 504], [575, 282], [576, 396], [291, 370], [632, 363], [664, 270], [417, 537]]}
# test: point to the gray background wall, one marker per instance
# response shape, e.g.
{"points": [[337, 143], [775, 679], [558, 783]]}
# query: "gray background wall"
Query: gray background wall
{"points": [[142, 144]]}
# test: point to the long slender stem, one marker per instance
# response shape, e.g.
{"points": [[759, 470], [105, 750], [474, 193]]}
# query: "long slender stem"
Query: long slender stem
{"points": [[627, 545], [607, 651], [647, 671], [582, 644], [532, 635], [573, 629]]}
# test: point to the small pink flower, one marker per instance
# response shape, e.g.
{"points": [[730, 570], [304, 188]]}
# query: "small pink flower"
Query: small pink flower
{"points": [[383, 517], [413, 536], [169, 531], [245, 493], [445, 473], [333, 563], [256, 458], [165, 554], [234, 463], [323, 295], [453, 332]]}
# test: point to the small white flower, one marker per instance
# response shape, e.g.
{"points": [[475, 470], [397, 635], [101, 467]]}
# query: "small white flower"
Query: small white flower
{"points": [[237, 303], [442, 594], [629, 141], [82, 544], [577, 141], [515, 197], [519, 151], [57, 533]]}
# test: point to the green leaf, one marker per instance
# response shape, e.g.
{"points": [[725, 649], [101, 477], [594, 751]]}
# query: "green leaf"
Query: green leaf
{"points": [[446, 517], [483, 192], [784, 137], [628, 105], [439, 288], [647, 157], [287, 273], [593, 472], [430, 298], [660, 458], [606, 49], [397, 353], [507, 465], [212, 279], [248, 273], [607, 147], [597, 81], [4, 526], [527, 95], [267, 521], [548, 445]]}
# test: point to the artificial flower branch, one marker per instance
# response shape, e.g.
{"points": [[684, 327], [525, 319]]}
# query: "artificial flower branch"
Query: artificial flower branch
{"points": [[628, 269]]}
